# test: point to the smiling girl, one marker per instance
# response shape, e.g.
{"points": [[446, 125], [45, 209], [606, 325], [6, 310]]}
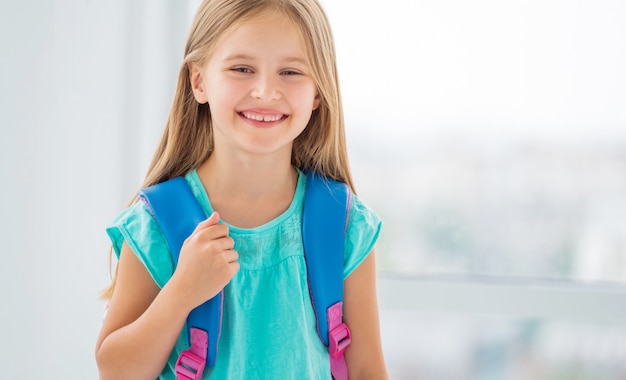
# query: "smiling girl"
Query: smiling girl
{"points": [[257, 105]]}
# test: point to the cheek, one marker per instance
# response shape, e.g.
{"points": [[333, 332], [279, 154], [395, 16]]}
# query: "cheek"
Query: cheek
{"points": [[308, 97], [223, 95]]}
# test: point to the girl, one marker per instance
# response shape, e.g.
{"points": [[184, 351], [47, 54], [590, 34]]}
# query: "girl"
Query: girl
{"points": [[257, 103]]}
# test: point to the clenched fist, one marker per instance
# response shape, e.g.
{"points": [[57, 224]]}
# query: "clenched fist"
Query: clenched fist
{"points": [[207, 262]]}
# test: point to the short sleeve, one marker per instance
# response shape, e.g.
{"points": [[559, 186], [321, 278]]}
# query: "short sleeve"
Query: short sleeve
{"points": [[363, 230], [139, 229]]}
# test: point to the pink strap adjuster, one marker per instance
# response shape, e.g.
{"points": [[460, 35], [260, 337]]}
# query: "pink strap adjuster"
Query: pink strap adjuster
{"points": [[189, 366], [191, 362], [339, 339]]}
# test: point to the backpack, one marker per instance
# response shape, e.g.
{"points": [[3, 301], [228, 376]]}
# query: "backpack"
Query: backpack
{"points": [[324, 224]]}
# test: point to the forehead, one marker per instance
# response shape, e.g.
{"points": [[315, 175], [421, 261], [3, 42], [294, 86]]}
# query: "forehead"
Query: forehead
{"points": [[268, 35]]}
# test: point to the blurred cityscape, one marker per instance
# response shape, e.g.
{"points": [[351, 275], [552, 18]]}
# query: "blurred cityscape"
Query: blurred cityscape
{"points": [[503, 208], [452, 347], [521, 208]]}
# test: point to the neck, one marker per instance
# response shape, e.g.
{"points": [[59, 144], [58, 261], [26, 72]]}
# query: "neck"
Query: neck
{"points": [[248, 193], [251, 177]]}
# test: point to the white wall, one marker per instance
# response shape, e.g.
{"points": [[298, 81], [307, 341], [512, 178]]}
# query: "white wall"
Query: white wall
{"points": [[73, 75]]}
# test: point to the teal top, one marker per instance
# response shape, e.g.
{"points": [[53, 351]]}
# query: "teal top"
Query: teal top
{"points": [[268, 323]]}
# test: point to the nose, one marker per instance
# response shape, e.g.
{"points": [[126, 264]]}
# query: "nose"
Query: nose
{"points": [[266, 87]]}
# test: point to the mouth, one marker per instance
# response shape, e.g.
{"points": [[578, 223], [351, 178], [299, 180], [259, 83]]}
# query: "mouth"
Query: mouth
{"points": [[262, 117]]}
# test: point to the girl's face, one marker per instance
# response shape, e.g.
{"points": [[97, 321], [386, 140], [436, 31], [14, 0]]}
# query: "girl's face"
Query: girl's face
{"points": [[258, 85]]}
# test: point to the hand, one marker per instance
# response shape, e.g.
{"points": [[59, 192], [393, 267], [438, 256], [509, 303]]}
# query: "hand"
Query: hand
{"points": [[207, 262]]}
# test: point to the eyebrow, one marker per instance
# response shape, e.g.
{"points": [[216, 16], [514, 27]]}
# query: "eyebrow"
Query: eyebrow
{"points": [[246, 57]]}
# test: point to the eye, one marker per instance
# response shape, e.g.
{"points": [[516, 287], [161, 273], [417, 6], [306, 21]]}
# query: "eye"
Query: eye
{"points": [[243, 70], [290, 72]]}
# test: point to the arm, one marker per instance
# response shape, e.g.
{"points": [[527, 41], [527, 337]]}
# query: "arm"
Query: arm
{"points": [[143, 322], [364, 356], [141, 326]]}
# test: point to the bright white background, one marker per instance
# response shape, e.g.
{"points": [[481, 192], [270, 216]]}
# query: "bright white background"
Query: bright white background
{"points": [[85, 87]]}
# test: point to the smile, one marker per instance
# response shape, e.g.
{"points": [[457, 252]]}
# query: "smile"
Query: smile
{"points": [[267, 118]]}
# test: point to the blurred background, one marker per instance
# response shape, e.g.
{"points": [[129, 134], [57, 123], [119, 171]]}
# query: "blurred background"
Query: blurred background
{"points": [[490, 136]]}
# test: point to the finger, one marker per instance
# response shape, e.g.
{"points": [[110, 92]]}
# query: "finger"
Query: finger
{"points": [[220, 243], [227, 243], [210, 221], [235, 267], [214, 232], [231, 256]]}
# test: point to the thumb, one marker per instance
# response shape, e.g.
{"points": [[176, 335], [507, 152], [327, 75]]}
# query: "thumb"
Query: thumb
{"points": [[211, 220]]}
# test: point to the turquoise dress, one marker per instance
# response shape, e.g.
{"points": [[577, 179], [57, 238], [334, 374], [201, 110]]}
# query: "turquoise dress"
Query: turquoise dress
{"points": [[268, 323]]}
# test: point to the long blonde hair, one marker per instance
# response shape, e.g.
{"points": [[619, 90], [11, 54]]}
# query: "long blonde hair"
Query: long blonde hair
{"points": [[188, 137]]}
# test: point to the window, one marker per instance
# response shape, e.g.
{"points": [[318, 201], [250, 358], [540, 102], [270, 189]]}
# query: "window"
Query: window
{"points": [[491, 138]]}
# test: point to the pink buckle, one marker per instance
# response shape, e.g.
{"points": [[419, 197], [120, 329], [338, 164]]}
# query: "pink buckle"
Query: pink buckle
{"points": [[339, 339], [189, 366]]}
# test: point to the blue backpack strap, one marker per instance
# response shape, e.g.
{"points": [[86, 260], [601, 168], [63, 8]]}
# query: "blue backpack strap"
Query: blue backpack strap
{"points": [[324, 224], [178, 212]]}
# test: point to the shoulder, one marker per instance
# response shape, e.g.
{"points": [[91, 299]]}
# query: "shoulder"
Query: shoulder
{"points": [[137, 227], [360, 215], [362, 232], [134, 217]]}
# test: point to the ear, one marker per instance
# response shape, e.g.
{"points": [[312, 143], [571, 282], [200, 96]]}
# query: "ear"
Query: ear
{"points": [[197, 82], [316, 101]]}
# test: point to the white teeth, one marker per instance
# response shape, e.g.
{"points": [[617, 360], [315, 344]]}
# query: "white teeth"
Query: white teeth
{"points": [[258, 117]]}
